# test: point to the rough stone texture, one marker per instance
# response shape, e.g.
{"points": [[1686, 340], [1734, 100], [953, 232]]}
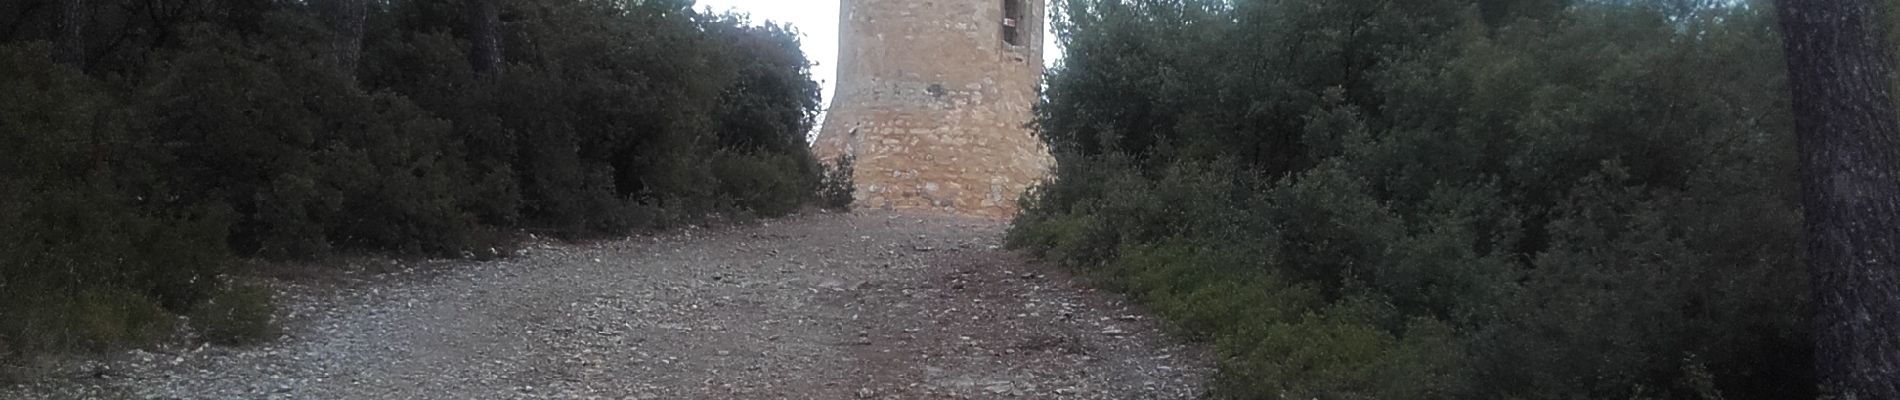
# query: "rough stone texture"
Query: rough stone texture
{"points": [[933, 105]]}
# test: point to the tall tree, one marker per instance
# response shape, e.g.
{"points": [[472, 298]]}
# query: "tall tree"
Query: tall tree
{"points": [[484, 20], [346, 18], [71, 49], [1841, 70]]}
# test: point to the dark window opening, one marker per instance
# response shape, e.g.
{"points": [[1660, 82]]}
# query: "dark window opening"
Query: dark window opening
{"points": [[1012, 22]]}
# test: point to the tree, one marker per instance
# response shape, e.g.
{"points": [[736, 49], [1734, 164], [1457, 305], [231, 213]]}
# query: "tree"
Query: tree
{"points": [[346, 19], [1840, 71], [484, 23]]}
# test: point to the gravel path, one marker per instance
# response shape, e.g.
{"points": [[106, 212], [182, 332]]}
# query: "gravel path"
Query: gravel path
{"points": [[877, 305]]}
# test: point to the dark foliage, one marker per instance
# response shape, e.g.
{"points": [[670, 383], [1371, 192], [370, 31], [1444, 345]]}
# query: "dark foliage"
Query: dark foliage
{"points": [[1438, 199], [838, 189], [181, 134], [237, 316]]}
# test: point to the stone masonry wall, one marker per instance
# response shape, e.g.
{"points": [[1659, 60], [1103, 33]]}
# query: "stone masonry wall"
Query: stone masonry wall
{"points": [[933, 105]]}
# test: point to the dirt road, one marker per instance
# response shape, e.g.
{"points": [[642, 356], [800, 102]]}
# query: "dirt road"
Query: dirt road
{"points": [[880, 306]]}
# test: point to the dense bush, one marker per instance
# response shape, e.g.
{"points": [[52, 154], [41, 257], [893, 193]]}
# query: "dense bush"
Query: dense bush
{"points": [[306, 159], [759, 183], [1438, 199], [186, 133], [81, 264], [238, 315], [837, 188]]}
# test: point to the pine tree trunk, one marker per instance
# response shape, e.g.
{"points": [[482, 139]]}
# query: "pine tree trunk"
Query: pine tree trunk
{"points": [[71, 40], [347, 19], [1841, 71], [484, 19]]}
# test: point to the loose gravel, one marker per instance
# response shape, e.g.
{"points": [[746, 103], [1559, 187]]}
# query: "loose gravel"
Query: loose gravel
{"points": [[819, 306]]}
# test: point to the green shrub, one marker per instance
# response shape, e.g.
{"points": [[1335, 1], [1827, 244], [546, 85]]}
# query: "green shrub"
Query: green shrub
{"points": [[87, 262], [240, 315], [83, 271], [625, 118], [335, 167], [770, 186], [89, 321], [1392, 201], [838, 188], [202, 129], [1336, 354]]}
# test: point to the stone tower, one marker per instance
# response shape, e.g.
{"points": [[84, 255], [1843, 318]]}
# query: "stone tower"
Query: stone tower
{"points": [[933, 102]]}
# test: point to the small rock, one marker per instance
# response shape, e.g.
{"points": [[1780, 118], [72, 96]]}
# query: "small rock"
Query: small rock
{"points": [[1000, 387]]}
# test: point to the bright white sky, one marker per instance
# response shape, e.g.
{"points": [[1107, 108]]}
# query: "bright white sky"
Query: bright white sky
{"points": [[818, 20]]}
